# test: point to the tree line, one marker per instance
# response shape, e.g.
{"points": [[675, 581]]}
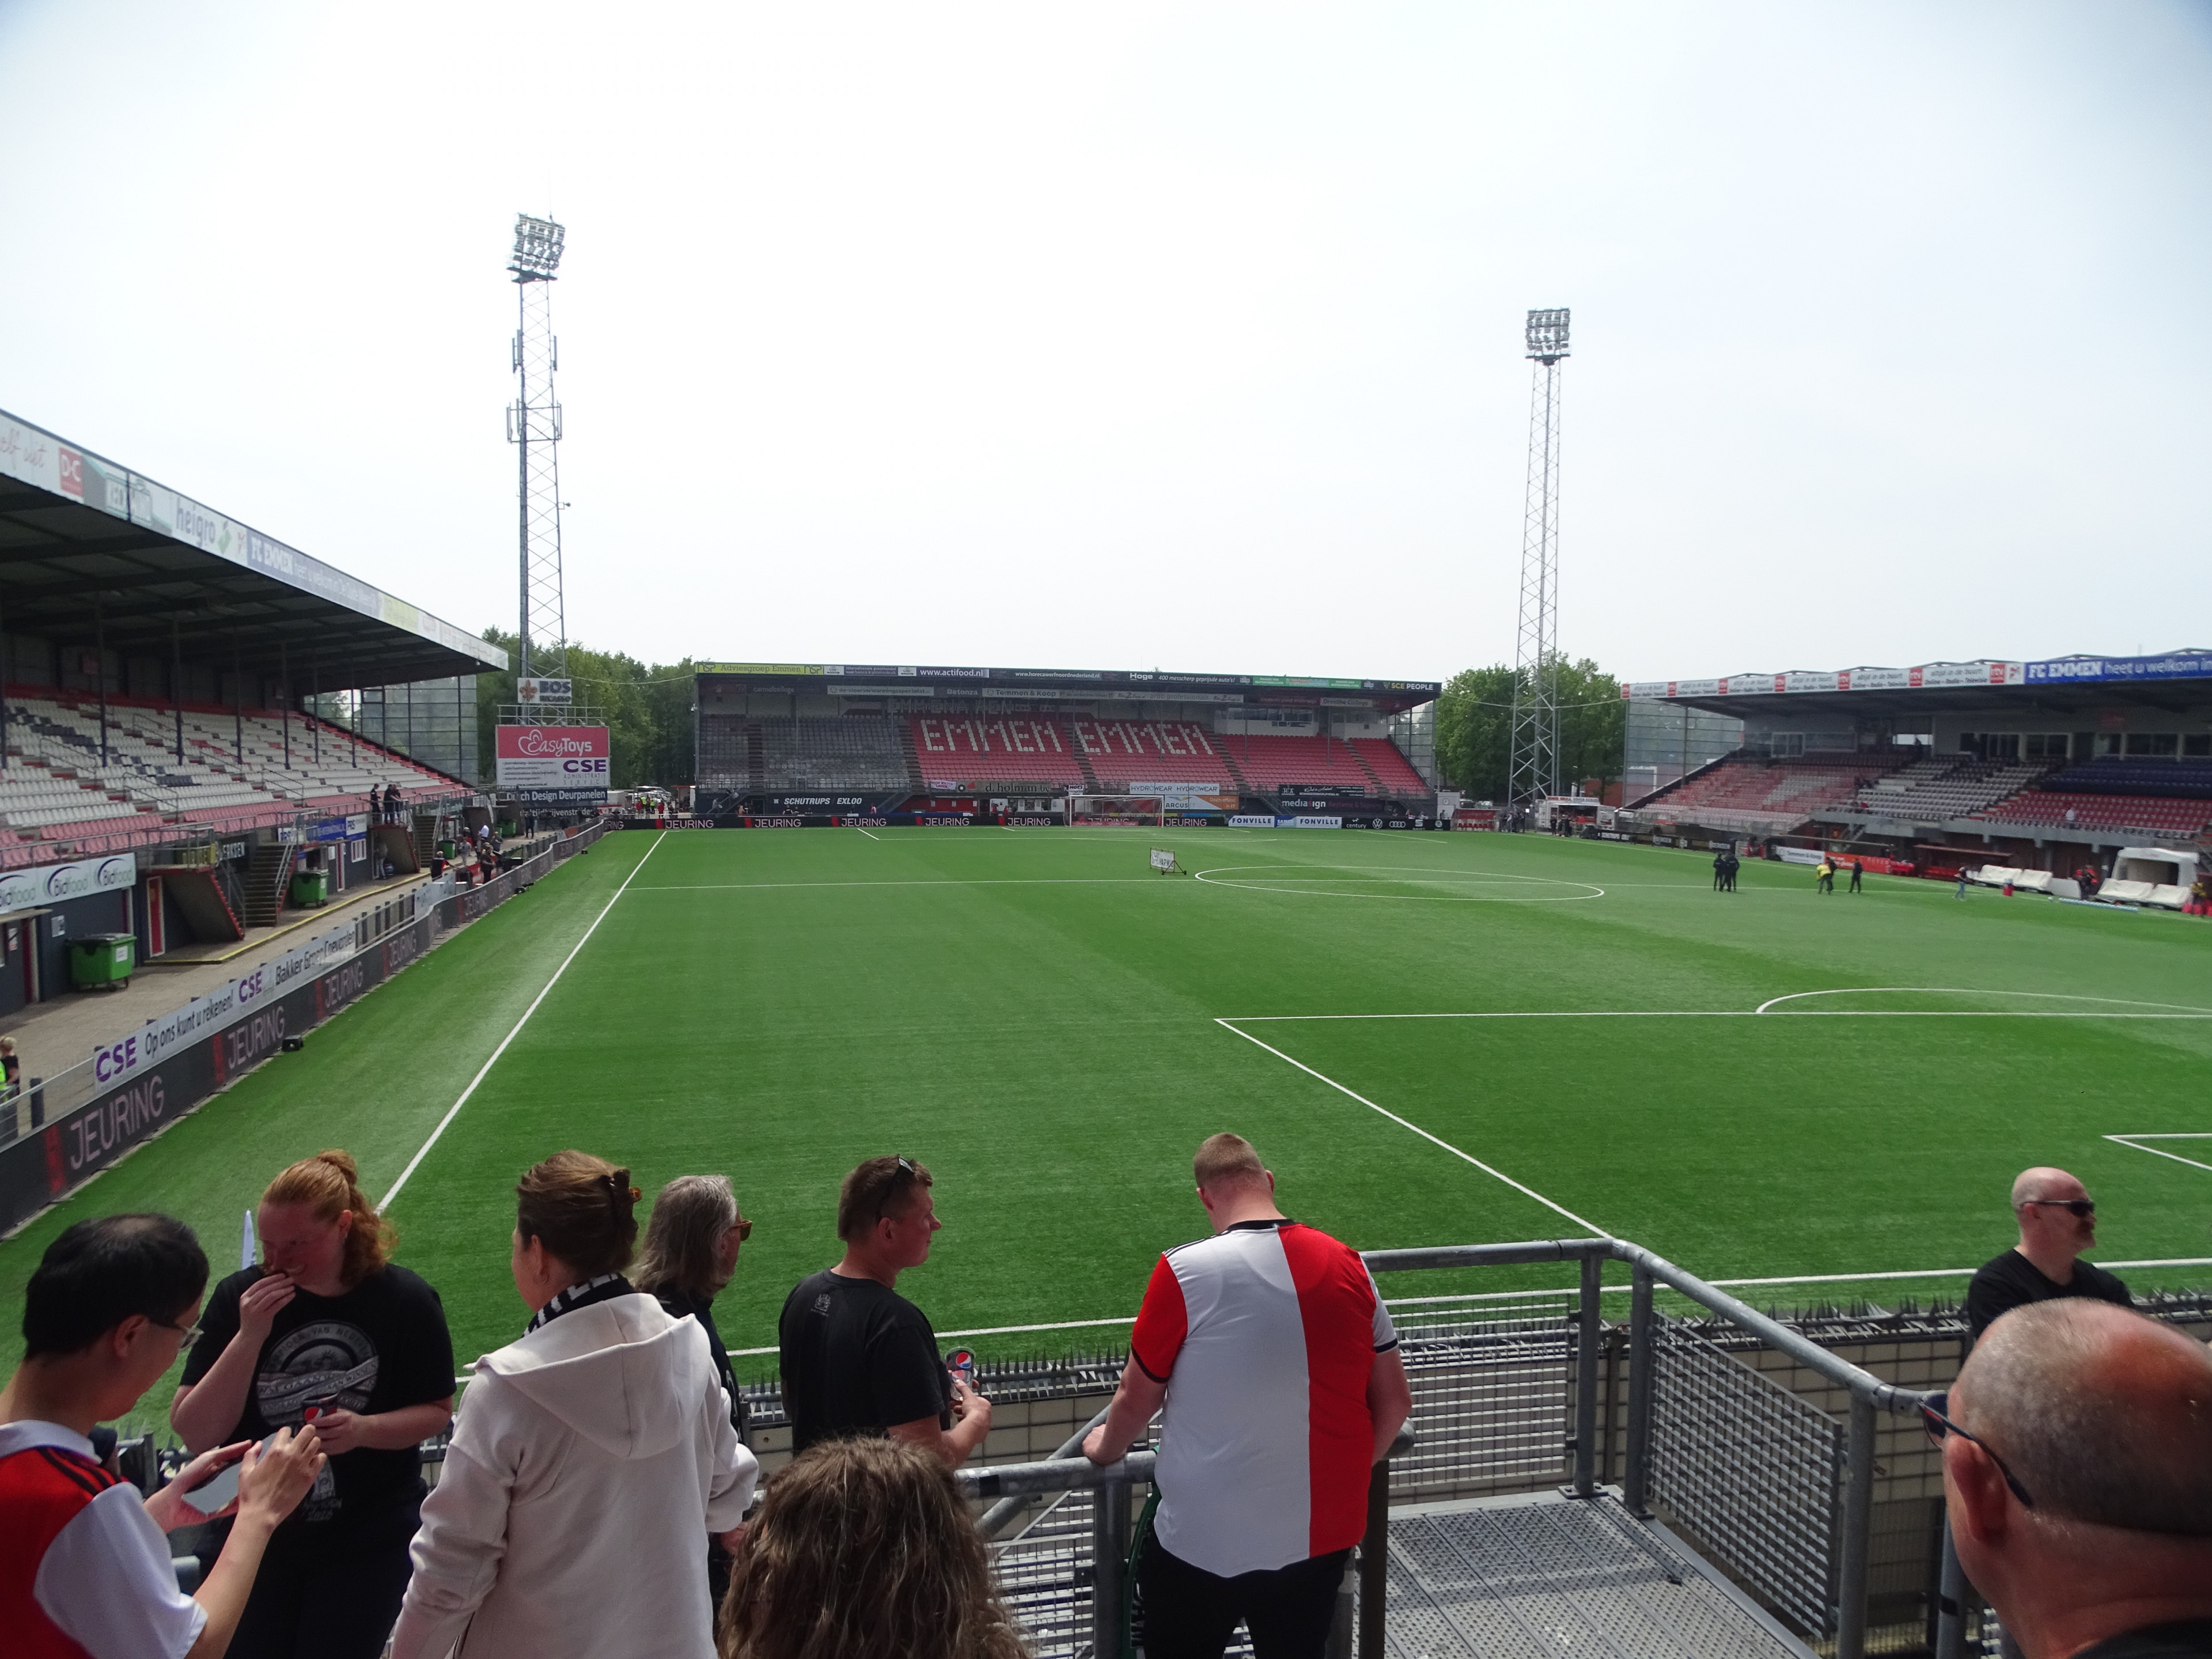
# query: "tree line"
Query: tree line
{"points": [[1474, 727]]}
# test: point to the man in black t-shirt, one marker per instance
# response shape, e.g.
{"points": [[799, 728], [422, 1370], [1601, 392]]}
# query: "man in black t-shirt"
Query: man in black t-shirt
{"points": [[2057, 1221], [857, 1357]]}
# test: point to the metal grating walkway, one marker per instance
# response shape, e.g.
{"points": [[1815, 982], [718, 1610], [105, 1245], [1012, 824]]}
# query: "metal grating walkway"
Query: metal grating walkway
{"points": [[1544, 1576]]}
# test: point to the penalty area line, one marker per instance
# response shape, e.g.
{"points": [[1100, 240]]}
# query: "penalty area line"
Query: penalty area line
{"points": [[485, 1070], [1407, 1123], [2133, 1144]]}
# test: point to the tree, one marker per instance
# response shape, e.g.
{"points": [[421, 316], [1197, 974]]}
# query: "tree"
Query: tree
{"points": [[1474, 727], [647, 710]]}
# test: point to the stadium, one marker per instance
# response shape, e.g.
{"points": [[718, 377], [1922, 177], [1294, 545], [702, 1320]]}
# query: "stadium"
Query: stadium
{"points": [[1438, 1038], [1409, 1156]]}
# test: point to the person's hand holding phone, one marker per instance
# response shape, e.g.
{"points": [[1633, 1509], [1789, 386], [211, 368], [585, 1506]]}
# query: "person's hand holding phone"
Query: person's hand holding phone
{"points": [[340, 1430], [272, 1479], [259, 1303], [203, 1490]]}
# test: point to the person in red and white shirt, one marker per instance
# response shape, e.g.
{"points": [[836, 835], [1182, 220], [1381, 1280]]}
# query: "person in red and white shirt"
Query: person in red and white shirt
{"points": [[84, 1568], [1270, 1348]]}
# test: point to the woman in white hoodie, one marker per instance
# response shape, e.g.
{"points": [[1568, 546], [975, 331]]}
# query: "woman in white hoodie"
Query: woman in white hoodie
{"points": [[587, 1457]]}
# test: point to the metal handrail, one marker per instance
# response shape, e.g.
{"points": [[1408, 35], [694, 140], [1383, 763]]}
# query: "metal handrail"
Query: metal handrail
{"points": [[1012, 1483]]}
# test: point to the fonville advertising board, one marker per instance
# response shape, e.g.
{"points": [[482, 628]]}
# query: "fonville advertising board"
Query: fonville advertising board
{"points": [[552, 757]]}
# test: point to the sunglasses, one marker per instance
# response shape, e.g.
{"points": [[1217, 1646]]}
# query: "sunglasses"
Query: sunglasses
{"points": [[2083, 1208], [902, 1178], [743, 1228], [1937, 1426]]}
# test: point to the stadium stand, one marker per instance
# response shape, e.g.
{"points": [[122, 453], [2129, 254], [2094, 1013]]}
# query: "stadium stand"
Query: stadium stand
{"points": [[233, 773], [858, 751], [1392, 771], [1752, 793], [985, 749], [1152, 751], [2177, 779], [1272, 762], [2153, 815], [1937, 790]]}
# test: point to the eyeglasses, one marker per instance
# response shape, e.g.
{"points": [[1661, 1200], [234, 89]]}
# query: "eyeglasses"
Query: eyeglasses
{"points": [[2083, 1208], [190, 1334], [1937, 1425]]}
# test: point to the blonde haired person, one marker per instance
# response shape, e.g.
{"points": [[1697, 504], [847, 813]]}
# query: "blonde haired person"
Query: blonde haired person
{"points": [[864, 1547], [589, 1455], [327, 1332]]}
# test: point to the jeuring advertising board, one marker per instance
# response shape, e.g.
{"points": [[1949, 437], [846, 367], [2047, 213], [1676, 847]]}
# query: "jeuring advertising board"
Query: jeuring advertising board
{"points": [[552, 757]]}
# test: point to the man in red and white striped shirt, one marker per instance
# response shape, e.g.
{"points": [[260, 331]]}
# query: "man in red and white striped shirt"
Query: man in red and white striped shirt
{"points": [[1269, 1346]]}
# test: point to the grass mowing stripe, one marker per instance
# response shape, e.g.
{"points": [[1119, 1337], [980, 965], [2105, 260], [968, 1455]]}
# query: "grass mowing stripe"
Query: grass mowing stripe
{"points": [[454, 1111], [1404, 1123]]}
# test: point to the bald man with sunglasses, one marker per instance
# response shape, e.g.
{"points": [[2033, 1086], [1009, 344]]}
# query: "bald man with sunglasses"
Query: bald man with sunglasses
{"points": [[2057, 1221]]}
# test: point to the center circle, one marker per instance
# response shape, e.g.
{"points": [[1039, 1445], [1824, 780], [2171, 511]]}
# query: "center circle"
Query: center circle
{"points": [[1372, 875]]}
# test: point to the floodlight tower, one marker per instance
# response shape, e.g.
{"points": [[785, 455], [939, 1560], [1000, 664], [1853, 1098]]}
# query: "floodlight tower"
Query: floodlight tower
{"points": [[1535, 771], [533, 426]]}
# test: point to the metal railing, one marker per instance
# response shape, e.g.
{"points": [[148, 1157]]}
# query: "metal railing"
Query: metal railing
{"points": [[1776, 1491]]}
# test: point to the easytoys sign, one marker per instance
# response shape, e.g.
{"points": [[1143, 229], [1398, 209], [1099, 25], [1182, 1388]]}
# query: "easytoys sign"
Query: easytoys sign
{"points": [[552, 757]]}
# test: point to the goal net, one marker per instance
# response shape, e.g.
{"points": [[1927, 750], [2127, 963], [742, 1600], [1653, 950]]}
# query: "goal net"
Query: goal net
{"points": [[1116, 809]]}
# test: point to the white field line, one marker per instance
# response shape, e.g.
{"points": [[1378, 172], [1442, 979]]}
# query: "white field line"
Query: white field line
{"points": [[866, 832], [1954, 991], [1567, 1294], [1406, 1123], [2131, 1141], [454, 1110], [940, 881]]}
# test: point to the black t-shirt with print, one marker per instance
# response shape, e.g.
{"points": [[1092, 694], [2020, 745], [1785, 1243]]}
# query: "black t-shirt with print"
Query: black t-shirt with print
{"points": [[382, 1345], [857, 1357]]}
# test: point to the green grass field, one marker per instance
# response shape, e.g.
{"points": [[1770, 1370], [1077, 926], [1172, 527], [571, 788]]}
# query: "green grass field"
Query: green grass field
{"points": [[1040, 1018]]}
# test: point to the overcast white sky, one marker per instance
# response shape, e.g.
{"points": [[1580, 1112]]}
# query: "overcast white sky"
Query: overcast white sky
{"points": [[1183, 335]]}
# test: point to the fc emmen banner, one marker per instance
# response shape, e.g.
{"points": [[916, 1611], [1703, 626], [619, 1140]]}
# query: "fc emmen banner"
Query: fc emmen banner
{"points": [[552, 757]]}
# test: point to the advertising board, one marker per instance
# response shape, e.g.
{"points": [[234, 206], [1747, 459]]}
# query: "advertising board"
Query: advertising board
{"points": [[21, 890], [565, 757]]}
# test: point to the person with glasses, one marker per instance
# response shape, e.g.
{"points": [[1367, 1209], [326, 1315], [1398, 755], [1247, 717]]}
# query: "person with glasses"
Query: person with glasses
{"points": [[2057, 1221], [327, 1329], [84, 1569], [2077, 1476], [691, 1253], [857, 1357]]}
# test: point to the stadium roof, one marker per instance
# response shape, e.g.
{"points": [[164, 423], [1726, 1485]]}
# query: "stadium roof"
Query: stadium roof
{"points": [[1071, 685], [87, 542], [2173, 679]]}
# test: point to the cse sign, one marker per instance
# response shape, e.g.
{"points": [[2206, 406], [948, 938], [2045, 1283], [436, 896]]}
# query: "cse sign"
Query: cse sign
{"points": [[552, 757]]}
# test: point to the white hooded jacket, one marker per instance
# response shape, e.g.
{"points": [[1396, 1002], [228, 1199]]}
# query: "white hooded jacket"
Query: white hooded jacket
{"points": [[589, 1462]]}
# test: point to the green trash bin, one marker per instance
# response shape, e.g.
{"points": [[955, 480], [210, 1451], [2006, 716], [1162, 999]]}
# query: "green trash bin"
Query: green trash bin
{"points": [[310, 889], [99, 960]]}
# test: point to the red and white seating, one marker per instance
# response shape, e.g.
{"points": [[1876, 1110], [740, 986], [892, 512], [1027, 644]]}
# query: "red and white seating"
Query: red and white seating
{"points": [[984, 748], [1151, 751], [1273, 763]]}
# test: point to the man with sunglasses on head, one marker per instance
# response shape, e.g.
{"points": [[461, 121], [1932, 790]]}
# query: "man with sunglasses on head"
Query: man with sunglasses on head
{"points": [[2077, 1473], [2057, 1221], [857, 1357]]}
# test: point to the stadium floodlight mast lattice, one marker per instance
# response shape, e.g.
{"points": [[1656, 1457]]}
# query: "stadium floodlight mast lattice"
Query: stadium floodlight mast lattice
{"points": [[1535, 768], [533, 426]]}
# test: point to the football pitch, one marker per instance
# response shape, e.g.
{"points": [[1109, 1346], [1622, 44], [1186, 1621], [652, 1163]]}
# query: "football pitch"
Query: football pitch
{"points": [[1431, 1038]]}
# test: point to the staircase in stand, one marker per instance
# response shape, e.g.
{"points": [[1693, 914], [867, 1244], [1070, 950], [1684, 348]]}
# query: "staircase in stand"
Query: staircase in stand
{"points": [[1090, 775], [266, 868], [1373, 776], [913, 777]]}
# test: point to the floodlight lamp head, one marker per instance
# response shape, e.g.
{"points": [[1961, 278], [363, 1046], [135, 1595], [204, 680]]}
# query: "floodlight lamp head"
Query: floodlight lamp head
{"points": [[536, 249], [1547, 335]]}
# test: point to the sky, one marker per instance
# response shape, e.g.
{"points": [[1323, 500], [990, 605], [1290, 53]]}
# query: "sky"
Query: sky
{"points": [[1180, 335]]}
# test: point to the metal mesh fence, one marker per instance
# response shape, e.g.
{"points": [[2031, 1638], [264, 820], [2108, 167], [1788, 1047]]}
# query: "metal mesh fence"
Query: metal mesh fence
{"points": [[1752, 1471], [1492, 1405], [1046, 1574]]}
